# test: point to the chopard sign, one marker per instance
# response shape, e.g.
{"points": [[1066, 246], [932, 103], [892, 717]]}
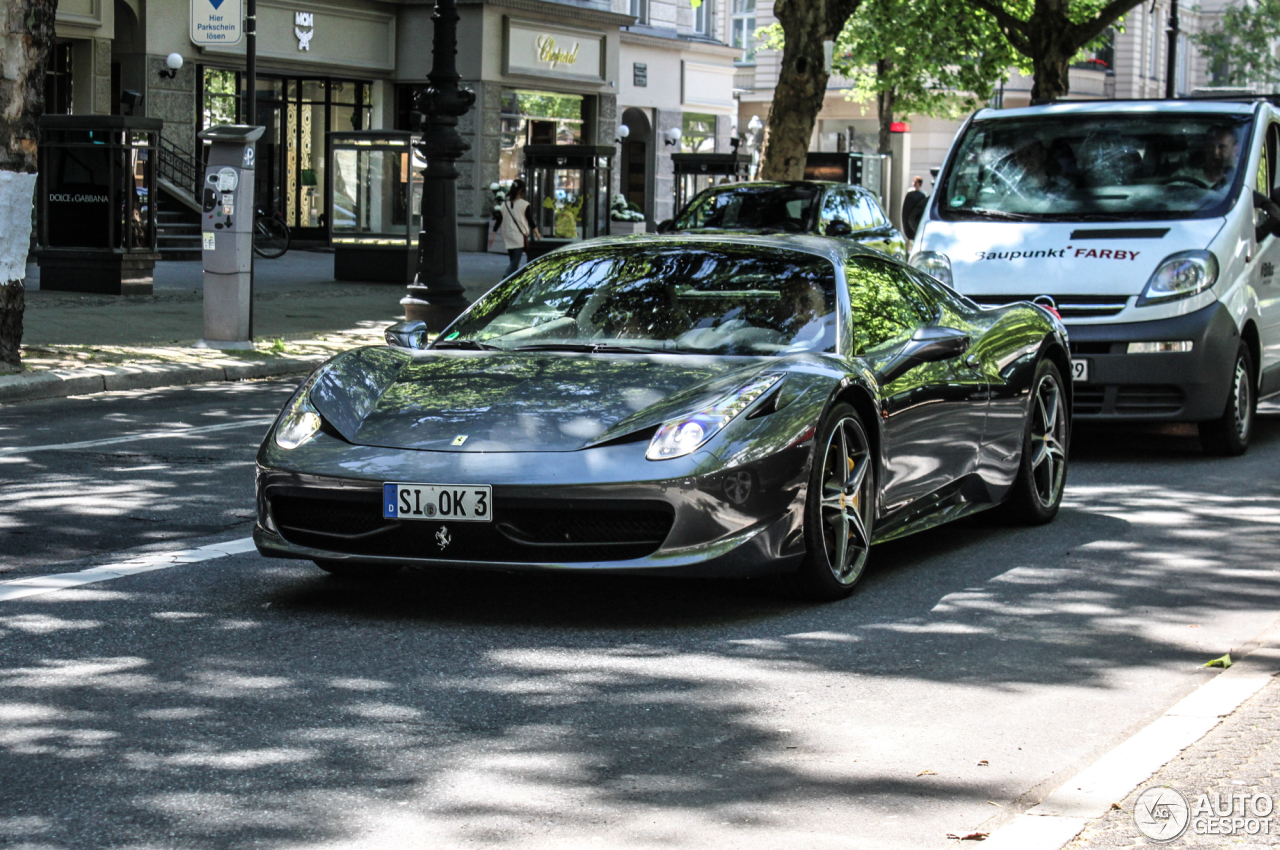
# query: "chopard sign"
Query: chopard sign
{"points": [[550, 53]]}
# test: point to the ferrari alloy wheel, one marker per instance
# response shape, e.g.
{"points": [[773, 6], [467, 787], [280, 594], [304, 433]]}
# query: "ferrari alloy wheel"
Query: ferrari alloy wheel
{"points": [[1228, 435], [840, 509], [1048, 442], [1036, 494]]}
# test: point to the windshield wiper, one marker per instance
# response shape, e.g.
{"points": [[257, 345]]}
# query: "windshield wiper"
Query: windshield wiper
{"points": [[1001, 214], [471, 344], [592, 348]]}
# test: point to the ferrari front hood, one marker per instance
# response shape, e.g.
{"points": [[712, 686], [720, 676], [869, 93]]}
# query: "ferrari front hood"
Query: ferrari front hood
{"points": [[464, 401]]}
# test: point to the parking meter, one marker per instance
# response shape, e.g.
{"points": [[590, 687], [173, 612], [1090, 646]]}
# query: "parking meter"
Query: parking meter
{"points": [[226, 229]]}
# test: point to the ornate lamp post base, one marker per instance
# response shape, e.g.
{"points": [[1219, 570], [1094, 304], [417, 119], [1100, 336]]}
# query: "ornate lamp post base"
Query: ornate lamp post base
{"points": [[435, 296]]}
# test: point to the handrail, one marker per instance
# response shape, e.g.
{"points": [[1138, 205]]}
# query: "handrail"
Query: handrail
{"points": [[179, 167]]}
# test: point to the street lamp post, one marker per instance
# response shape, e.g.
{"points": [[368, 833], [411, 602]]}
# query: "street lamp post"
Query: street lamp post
{"points": [[1171, 70], [435, 296]]}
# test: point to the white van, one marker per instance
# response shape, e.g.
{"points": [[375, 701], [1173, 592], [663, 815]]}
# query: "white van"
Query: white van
{"points": [[1143, 222]]}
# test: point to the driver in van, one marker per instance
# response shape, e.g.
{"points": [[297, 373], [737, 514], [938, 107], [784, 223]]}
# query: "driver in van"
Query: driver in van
{"points": [[1218, 159]]}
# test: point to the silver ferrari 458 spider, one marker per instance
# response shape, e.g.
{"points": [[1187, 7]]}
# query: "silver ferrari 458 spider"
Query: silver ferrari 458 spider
{"points": [[693, 405]]}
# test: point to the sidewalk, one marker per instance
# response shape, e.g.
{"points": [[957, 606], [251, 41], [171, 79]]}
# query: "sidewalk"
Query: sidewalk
{"points": [[74, 344], [1239, 756]]}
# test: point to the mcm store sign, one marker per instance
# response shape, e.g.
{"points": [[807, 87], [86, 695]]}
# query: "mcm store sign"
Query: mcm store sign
{"points": [[542, 50]]}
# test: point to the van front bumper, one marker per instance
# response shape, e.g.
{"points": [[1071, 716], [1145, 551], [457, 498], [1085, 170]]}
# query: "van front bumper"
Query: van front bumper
{"points": [[1187, 386]]}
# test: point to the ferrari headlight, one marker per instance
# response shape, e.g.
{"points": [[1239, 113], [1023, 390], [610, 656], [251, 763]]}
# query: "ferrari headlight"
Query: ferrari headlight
{"points": [[1181, 275], [679, 437], [933, 263], [300, 420]]}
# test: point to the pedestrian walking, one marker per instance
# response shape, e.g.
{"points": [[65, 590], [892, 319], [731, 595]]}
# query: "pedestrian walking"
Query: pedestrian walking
{"points": [[514, 222], [913, 208]]}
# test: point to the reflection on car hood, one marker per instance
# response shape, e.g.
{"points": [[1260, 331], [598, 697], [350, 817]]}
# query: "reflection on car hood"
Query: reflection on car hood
{"points": [[509, 401]]}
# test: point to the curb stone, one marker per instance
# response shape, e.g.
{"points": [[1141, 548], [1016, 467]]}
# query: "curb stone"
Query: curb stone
{"points": [[60, 383]]}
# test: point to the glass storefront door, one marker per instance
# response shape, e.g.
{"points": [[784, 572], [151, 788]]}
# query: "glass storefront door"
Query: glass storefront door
{"points": [[297, 113]]}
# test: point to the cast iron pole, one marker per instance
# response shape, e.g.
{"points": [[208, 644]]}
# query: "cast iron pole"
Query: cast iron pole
{"points": [[1171, 73], [435, 296], [251, 112]]}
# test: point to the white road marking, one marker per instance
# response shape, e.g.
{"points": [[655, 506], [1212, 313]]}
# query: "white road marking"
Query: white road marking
{"points": [[21, 588], [149, 435]]}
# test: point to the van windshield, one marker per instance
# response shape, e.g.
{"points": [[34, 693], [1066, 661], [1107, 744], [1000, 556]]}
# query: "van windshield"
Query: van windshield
{"points": [[1102, 167]]}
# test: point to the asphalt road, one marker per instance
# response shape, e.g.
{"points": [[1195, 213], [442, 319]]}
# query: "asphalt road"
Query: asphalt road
{"points": [[241, 702]]}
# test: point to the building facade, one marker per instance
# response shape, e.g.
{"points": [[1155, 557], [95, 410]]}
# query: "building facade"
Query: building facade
{"points": [[544, 72]]}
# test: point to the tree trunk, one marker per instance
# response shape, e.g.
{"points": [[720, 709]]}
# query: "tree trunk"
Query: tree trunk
{"points": [[885, 102], [26, 36], [802, 82], [1052, 66]]}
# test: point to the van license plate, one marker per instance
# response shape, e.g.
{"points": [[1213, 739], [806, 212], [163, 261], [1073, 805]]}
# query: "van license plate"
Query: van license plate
{"points": [[437, 502], [1079, 370]]}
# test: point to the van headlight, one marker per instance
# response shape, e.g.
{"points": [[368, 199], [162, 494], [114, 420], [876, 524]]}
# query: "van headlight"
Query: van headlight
{"points": [[1180, 275], [933, 263], [300, 420], [679, 437]]}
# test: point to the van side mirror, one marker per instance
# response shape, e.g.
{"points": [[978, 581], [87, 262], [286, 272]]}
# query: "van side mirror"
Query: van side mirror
{"points": [[1266, 218], [412, 335]]}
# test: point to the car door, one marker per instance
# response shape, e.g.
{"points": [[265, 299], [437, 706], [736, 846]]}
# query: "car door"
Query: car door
{"points": [[934, 413], [872, 228], [1263, 273]]}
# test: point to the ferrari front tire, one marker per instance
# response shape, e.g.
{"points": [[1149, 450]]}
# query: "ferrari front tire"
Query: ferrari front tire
{"points": [[839, 509], [366, 572], [1037, 492]]}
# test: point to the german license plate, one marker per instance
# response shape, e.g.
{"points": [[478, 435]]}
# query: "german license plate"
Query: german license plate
{"points": [[438, 502], [1079, 369]]}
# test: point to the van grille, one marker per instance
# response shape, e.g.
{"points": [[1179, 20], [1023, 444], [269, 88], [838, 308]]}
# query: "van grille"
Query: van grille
{"points": [[1070, 306], [1126, 400]]}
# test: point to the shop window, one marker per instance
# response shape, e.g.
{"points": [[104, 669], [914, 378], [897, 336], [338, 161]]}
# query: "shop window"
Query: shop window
{"points": [[698, 133], [1100, 58], [297, 113], [640, 11], [743, 28], [536, 118], [57, 81]]}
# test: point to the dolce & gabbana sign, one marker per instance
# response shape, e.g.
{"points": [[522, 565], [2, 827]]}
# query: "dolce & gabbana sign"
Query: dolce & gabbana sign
{"points": [[545, 50]]}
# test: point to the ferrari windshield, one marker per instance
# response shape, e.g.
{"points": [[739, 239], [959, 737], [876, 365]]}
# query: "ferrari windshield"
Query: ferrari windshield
{"points": [[1118, 166], [751, 207], [722, 299]]}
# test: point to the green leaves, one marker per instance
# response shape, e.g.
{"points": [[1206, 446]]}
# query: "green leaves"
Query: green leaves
{"points": [[1224, 662], [1239, 48]]}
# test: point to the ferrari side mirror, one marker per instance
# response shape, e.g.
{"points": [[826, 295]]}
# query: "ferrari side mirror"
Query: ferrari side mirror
{"points": [[929, 344], [666, 226], [407, 335], [839, 227]]}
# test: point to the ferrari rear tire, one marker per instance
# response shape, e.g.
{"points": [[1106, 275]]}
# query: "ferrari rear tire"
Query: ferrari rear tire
{"points": [[1228, 435], [365, 572], [839, 509], [1036, 494]]}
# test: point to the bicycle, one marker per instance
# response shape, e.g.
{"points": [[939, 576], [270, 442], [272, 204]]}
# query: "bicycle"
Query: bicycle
{"points": [[270, 235]]}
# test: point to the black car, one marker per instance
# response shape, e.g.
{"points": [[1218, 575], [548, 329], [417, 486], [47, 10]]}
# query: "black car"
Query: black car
{"points": [[687, 405], [816, 207]]}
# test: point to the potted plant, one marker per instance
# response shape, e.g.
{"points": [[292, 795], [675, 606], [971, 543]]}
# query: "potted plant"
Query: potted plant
{"points": [[625, 217]]}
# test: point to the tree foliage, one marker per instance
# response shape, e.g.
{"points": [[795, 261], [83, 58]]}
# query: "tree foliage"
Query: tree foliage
{"points": [[1240, 48], [895, 52], [1049, 33]]}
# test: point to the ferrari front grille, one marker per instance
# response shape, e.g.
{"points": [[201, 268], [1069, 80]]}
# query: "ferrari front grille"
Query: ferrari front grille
{"points": [[352, 524]]}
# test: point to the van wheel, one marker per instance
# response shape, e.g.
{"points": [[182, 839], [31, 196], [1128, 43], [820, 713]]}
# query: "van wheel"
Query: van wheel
{"points": [[1228, 435]]}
